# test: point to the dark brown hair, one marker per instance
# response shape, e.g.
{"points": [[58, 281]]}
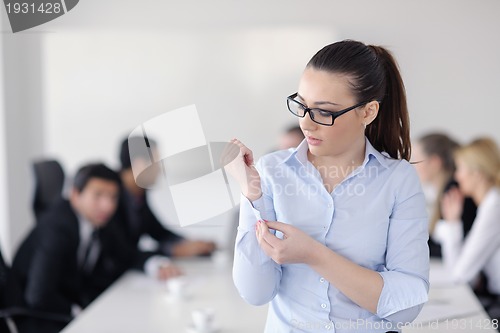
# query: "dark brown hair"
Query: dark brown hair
{"points": [[442, 146], [90, 171], [374, 76]]}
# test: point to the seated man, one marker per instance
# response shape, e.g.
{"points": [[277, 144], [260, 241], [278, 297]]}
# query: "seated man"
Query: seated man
{"points": [[74, 252], [140, 219]]}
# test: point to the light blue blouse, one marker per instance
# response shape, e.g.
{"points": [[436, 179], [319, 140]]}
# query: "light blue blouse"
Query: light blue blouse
{"points": [[376, 217]]}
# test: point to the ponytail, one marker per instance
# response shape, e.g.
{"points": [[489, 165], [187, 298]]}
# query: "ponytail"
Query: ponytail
{"points": [[374, 76], [390, 130]]}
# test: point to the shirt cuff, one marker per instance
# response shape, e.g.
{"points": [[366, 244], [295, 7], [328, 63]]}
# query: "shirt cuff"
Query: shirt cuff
{"points": [[448, 232], [400, 292], [153, 265], [256, 207]]}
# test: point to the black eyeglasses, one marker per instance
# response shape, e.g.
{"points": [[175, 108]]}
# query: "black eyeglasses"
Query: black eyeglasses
{"points": [[319, 116]]}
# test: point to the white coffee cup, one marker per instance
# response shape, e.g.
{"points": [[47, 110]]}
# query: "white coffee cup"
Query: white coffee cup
{"points": [[221, 258], [203, 319], [177, 286]]}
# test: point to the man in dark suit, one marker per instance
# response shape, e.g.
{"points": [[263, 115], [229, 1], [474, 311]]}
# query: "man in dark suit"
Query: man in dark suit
{"points": [[75, 250], [141, 220]]}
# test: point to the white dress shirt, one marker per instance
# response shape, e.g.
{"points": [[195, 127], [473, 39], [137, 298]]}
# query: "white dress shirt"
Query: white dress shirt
{"points": [[86, 229], [480, 250]]}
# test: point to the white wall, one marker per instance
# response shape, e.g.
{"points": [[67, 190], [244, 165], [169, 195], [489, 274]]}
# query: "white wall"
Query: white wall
{"points": [[23, 134], [113, 71], [109, 65], [238, 80], [5, 246]]}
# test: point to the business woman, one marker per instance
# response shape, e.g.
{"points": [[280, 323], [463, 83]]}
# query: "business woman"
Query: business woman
{"points": [[433, 154], [334, 233], [478, 175]]}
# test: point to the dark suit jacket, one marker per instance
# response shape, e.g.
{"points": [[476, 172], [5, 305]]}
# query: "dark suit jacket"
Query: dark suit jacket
{"points": [[136, 219], [45, 268]]}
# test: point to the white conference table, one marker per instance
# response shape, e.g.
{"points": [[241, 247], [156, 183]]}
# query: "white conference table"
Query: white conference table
{"points": [[137, 303], [451, 307]]}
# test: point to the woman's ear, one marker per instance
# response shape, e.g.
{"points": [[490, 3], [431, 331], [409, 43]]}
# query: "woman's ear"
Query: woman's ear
{"points": [[370, 112]]}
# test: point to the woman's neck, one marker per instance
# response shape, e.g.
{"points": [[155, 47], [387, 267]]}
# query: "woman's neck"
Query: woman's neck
{"points": [[440, 180], [480, 191], [341, 164]]}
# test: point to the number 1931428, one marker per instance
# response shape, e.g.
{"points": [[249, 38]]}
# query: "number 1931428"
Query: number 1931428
{"points": [[32, 8], [462, 324]]}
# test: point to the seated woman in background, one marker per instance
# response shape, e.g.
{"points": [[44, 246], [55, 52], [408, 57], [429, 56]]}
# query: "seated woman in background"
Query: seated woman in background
{"points": [[478, 175], [435, 166]]}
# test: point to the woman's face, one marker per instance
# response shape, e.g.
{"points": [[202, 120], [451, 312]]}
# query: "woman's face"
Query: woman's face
{"points": [[427, 166], [465, 177], [330, 92]]}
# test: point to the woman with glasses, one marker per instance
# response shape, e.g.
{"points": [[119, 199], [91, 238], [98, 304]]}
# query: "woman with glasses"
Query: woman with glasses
{"points": [[334, 233]]}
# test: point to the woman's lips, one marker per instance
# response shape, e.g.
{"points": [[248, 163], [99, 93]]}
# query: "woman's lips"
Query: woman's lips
{"points": [[313, 141]]}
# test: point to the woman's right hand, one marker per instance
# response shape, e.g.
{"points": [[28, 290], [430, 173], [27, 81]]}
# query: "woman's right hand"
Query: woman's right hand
{"points": [[238, 161], [452, 205]]}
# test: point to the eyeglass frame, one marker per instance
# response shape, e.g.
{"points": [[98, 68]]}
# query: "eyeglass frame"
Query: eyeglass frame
{"points": [[335, 114]]}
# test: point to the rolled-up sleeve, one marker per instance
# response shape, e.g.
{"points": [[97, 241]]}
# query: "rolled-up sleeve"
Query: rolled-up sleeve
{"points": [[406, 274], [255, 275]]}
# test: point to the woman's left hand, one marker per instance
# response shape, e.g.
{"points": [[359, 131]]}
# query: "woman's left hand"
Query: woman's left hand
{"points": [[295, 247]]}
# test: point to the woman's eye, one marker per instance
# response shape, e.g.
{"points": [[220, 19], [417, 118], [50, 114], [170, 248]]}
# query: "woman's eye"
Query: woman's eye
{"points": [[324, 113]]}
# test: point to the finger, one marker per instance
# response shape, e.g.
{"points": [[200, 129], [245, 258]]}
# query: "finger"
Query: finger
{"points": [[249, 158], [268, 237], [172, 272], [162, 274], [280, 226], [176, 272], [246, 153], [265, 246]]}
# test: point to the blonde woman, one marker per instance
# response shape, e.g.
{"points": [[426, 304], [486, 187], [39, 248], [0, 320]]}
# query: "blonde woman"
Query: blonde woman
{"points": [[433, 154], [478, 175]]}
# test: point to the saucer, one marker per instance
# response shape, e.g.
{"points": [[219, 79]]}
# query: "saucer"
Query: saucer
{"points": [[192, 329]]}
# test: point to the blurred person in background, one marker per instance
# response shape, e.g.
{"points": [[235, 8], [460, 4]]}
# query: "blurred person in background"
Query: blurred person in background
{"points": [[478, 176], [74, 252], [138, 219], [433, 154], [291, 138]]}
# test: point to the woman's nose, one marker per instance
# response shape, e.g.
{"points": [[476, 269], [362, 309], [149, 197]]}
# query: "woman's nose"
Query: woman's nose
{"points": [[307, 124]]}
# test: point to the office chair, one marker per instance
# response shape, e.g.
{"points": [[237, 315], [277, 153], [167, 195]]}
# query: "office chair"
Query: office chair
{"points": [[9, 314], [49, 182]]}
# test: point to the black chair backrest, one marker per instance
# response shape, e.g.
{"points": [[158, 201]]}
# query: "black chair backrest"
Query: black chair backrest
{"points": [[49, 182], [4, 270]]}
